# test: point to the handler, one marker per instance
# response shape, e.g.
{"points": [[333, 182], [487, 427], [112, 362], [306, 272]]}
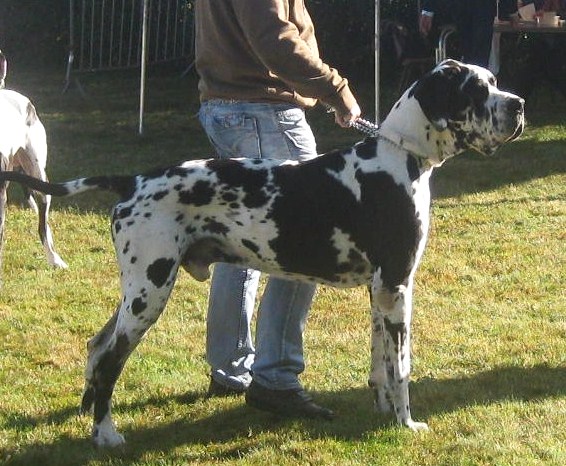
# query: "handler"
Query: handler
{"points": [[259, 69]]}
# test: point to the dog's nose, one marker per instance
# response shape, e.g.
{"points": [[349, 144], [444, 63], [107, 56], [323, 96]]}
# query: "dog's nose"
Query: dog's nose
{"points": [[516, 106]]}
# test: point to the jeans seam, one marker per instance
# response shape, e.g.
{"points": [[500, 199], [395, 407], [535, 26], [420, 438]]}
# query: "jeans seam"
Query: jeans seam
{"points": [[286, 327], [243, 330], [293, 150], [281, 130]]}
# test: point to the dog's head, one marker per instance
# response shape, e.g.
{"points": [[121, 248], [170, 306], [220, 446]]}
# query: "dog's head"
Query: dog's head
{"points": [[465, 101]]}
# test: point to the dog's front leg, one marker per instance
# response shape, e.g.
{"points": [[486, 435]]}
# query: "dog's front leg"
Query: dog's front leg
{"points": [[393, 310], [378, 378]]}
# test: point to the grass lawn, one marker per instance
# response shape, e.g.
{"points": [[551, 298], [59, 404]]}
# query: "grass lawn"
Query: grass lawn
{"points": [[489, 366]]}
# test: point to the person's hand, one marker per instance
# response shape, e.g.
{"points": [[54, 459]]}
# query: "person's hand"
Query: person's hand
{"points": [[425, 24], [346, 119]]}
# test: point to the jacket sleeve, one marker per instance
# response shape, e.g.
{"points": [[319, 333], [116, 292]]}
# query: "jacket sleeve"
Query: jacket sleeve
{"points": [[277, 42]]}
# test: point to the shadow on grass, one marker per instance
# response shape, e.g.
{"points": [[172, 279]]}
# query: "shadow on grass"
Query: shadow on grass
{"points": [[514, 164], [355, 421]]}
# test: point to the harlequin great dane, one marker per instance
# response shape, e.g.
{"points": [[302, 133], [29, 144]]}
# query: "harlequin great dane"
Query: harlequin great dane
{"points": [[23, 147], [350, 217]]}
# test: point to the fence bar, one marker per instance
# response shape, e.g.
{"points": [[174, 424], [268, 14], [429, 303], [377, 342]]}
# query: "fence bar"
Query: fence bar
{"points": [[377, 58], [101, 37], [143, 63], [111, 47], [131, 35]]}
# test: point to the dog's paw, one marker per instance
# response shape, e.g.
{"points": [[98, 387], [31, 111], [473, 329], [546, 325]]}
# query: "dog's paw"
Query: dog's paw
{"points": [[105, 435], [416, 426], [108, 441], [56, 261]]}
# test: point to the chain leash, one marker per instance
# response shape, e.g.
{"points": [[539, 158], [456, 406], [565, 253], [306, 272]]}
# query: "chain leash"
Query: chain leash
{"points": [[365, 127]]}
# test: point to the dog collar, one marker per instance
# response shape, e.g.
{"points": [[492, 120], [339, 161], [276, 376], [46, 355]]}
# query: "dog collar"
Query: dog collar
{"points": [[373, 130]]}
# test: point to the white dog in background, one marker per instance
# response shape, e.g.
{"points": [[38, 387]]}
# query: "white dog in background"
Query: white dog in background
{"points": [[23, 147]]}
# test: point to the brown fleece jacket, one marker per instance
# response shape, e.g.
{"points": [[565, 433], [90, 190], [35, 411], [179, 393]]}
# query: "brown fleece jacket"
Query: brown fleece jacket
{"points": [[263, 51]]}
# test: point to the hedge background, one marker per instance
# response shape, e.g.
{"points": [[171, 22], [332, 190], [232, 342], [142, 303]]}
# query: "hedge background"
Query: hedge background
{"points": [[35, 33]]}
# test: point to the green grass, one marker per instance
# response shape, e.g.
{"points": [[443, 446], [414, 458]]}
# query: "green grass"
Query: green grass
{"points": [[489, 366]]}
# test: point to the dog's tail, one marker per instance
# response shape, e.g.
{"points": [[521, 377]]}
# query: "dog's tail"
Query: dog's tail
{"points": [[122, 185]]}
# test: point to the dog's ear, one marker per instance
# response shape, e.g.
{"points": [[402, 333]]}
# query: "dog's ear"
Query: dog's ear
{"points": [[440, 124], [449, 62], [439, 93]]}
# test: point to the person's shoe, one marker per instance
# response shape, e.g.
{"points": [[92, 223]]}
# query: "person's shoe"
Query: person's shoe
{"points": [[217, 389], [288, 403]]}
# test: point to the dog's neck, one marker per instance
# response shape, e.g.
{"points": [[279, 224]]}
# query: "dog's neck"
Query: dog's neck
{"points": [[404, 127]]}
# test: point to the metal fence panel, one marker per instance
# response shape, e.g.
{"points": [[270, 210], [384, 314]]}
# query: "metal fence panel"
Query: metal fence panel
{"points": [[107, 34]]}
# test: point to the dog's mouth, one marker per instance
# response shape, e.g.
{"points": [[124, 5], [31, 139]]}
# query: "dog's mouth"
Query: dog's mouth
{"points": [[515, 124], [516, 110], [520, 126]]}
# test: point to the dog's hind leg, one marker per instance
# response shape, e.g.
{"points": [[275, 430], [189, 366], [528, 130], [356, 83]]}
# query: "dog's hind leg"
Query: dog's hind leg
{"points": [[45, 234], [148, 269], [107, 355], [391, 312], [108, 352], [101, 339], [27, 194], [32, 160]]}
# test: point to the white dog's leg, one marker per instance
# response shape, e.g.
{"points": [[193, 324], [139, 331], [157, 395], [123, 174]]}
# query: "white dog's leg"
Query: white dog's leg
{"points": [[32, 160], [45, 233]]}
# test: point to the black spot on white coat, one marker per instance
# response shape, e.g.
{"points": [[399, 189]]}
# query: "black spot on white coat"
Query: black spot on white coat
{"points": [[158, 272]]}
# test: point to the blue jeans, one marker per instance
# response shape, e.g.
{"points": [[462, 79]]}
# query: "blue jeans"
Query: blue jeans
{"points": [[256, 130]]}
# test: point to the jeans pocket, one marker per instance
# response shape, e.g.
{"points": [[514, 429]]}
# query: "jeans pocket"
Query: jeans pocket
{"points": [[298, 133], [234, 135]]}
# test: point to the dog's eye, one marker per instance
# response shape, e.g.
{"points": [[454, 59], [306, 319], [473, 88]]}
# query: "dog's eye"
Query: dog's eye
{"points": [[477, 90], [493, 81], [480, 94]]}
